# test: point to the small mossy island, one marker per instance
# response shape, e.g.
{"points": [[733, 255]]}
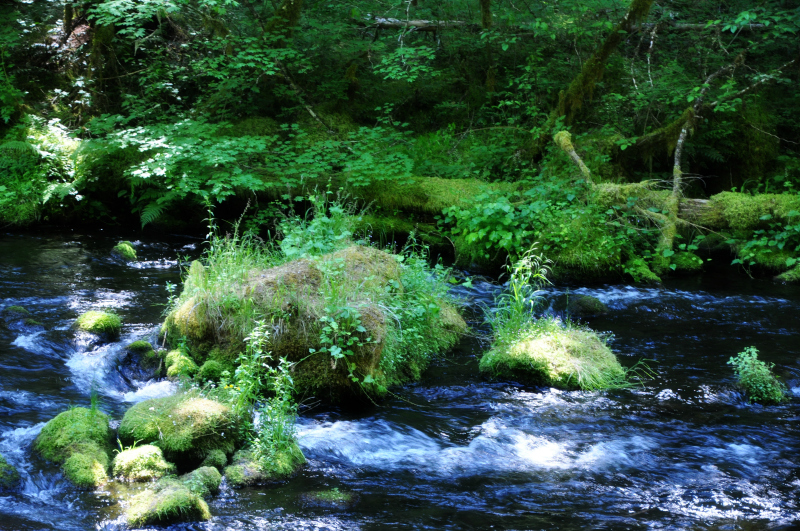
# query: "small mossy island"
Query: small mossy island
{"points": [[124, 250], [79, 440], [101, 323], [186, 427], [540, 350], [9, 476], [351, 321], [555, 356], [169, 501], [142, 463]]}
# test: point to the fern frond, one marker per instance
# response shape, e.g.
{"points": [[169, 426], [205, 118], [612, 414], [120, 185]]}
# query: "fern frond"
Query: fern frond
{"points": [[18, 148], [152, 212]]}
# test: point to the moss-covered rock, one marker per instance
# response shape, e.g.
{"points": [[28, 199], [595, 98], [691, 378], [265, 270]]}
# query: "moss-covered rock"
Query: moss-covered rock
{"points": [[791, 276], [299, 295], [686, 261], [124, 250], [577, 305], [140, 362], [179, 364], [247, 471], [80, 440], [100, 323], [211, 370], [186, 427], [15, 312], [169, 501], [203, 481], [142, 463], [329, 499], [567, 358], [215, 458], [639, 271], [9, 477]]}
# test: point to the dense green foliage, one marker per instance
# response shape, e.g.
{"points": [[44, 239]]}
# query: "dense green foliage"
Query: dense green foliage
{"points": [[756, 378], [113, 110]]}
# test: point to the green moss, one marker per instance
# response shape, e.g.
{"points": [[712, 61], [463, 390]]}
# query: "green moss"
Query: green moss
{"points": [[169, 501], [330, 499], [567, 358], [140, 347], [125, 250], [143, 463], [389, 229], [179, 364], [79, 439], [203, 481], [744, 212], [580, 305], [9, 477], [102, 323], [686, 261], [429, 194], [246, 471], [32, 322], [16, 311], [185, 426], [791, 276], [210, 370], [215, 458], [639, 271]]}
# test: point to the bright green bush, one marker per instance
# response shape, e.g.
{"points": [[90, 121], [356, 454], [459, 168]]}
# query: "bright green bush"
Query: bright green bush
{"points": [[756, 378]]}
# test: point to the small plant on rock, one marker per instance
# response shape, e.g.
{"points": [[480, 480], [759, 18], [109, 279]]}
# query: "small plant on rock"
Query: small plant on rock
{"points": [[756, 378]]}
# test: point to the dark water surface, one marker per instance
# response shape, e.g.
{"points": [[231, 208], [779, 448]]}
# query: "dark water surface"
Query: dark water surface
{"points": [[685, 451]]}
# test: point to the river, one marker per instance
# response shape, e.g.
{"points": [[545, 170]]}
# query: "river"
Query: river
{"points": [[684, 450]]}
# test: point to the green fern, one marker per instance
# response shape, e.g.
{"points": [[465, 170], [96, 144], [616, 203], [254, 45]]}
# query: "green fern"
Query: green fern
{"points": [[18, 148], [152, 212]]}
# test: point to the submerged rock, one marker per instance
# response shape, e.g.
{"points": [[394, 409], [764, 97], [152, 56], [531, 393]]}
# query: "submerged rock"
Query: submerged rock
{"points": [[580, 305], [143, 463], [125, 251], [185, 426], [140, 362], [9, 477], [168, 501], [567, 358], [80, 440], [247, 471], [329, 499], [100, 323]]}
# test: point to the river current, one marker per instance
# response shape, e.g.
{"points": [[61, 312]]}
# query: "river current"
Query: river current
{"points": [[684, 450]]}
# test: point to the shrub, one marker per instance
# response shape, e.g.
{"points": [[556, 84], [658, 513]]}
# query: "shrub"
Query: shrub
{"points": [[756, 378]]}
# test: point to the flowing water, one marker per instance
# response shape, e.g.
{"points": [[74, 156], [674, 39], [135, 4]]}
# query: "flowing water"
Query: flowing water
{"points": [[683, 451]]}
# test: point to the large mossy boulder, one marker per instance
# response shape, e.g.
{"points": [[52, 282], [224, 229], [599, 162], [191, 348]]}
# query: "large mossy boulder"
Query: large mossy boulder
{"points": [[566, 358], [9, 476], [101, 323], [186, 427], [169, 501], [142, 463], [247, 471], [80, 440], [353, 287]]}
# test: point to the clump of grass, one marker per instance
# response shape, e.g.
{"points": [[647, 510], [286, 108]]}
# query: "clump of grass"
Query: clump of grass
{"points": [[756, 378]]}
